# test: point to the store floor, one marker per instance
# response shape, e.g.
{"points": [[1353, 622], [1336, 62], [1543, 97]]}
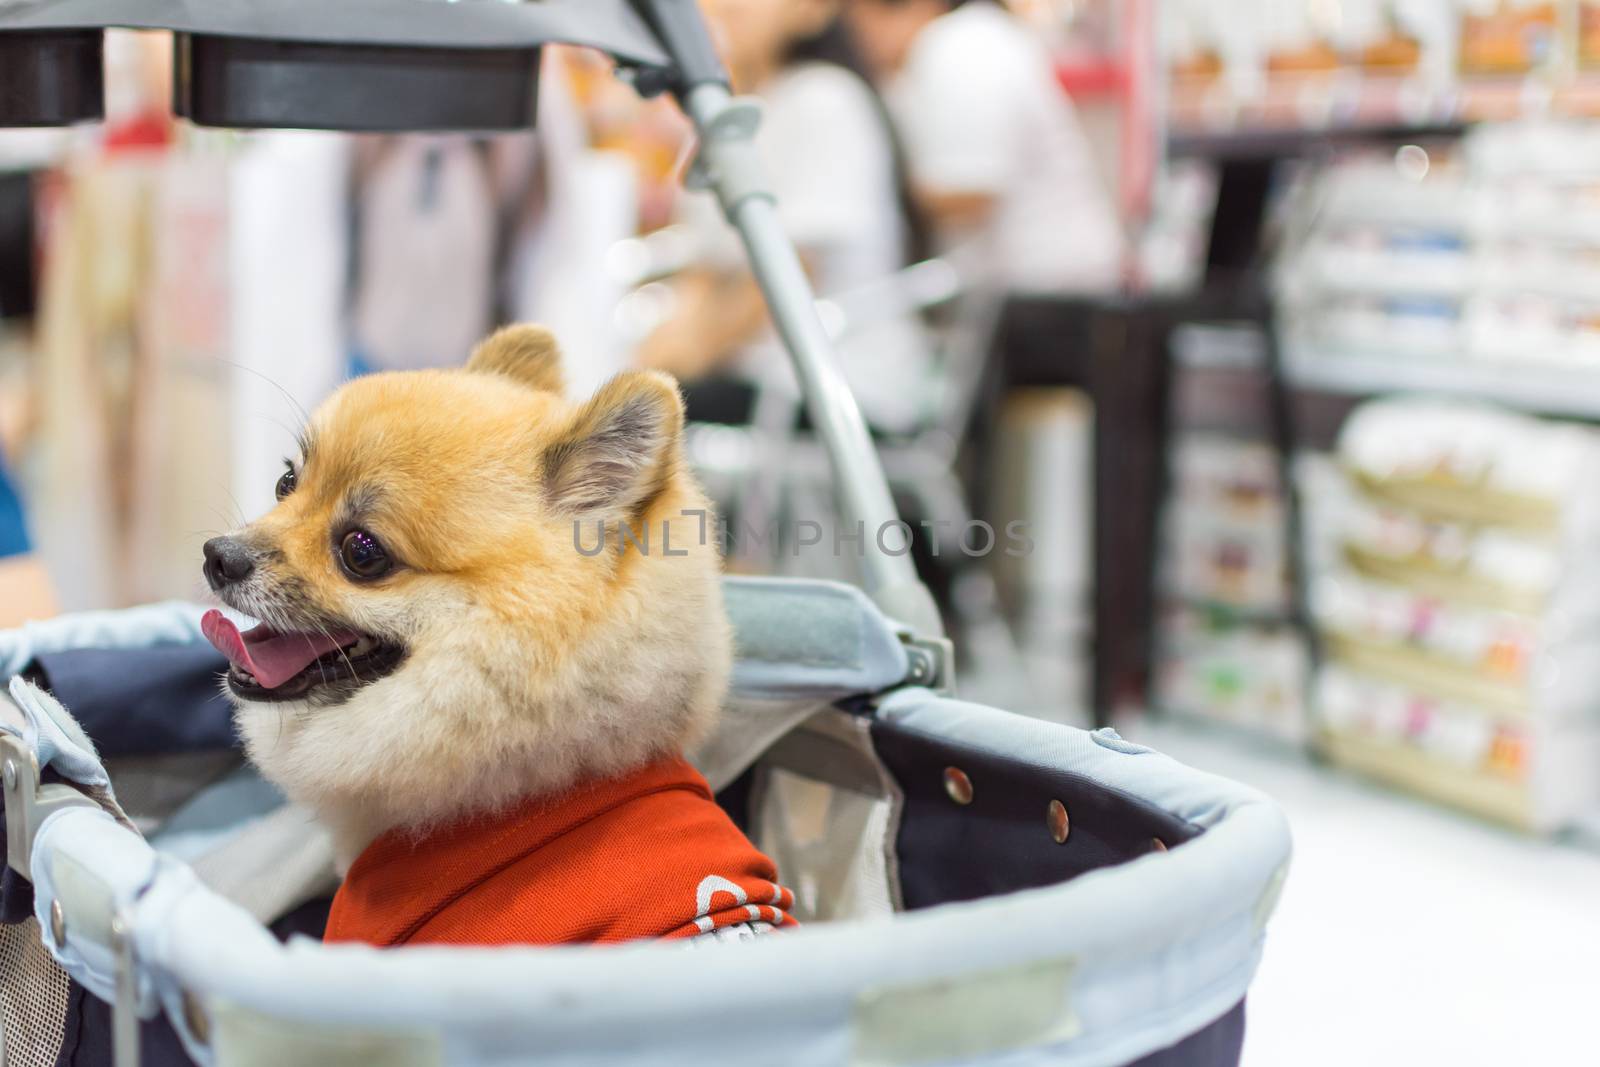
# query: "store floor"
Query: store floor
{"points": [[1408, 935]]}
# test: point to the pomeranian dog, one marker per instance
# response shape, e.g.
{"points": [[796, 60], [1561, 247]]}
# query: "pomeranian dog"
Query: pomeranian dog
{"points": [[490, 624]]}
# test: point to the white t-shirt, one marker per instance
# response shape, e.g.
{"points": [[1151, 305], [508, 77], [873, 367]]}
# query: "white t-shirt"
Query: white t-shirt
{"points": [[829, 160], [979, 109]]}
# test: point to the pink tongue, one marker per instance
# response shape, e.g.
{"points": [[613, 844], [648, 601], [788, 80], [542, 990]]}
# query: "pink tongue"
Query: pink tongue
{"points": [[273, 658]]}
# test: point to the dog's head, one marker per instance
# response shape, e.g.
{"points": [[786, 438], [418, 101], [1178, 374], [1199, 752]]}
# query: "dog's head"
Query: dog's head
{"points": [[471, 590]]}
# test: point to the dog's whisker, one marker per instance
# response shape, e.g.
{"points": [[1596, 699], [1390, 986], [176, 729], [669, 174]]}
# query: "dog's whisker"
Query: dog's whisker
{"points": [[342, 653], [305, 416], [221, 516], [238, 512]]}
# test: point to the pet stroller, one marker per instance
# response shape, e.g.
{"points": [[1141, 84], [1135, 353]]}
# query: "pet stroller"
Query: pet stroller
{"points": [[979, 887]]}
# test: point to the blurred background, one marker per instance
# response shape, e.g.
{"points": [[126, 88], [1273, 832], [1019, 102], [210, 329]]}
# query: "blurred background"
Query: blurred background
{"points": [[1269, 328]]}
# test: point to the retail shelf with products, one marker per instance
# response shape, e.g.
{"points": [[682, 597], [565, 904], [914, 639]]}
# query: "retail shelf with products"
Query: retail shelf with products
{"points": [[1211, 114], [1531, 387], [1426, 673], [1228, 612], [1445, 496], [1249, 676], [1469, 270], [1456, 613], [1228, 648], [1208, 119], [1428, 576], [1421, 248], [1244, 141], [1491, 796]]}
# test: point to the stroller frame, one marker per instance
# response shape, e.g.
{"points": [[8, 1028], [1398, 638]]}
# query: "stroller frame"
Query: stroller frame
{"points": [[1111, 952], [729, 165]]}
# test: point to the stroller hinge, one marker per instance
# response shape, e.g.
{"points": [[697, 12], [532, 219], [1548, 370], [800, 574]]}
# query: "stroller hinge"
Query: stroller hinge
{"points": [[27, 802], [930, 663]]}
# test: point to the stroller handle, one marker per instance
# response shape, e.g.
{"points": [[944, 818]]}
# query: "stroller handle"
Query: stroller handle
{"points": [[728, 165]]}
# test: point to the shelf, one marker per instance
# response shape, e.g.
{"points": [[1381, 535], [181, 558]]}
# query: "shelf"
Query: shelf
{"points": [[1251, 141], [1216, 346], [1487, 795], [1229, 613], [1299, 113], [1448, 500], [1458, 584], [1429, 673], [1540, 390]]}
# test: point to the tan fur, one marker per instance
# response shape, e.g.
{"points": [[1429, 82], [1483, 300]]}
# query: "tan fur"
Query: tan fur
{"points": [[525, 352], [531, 666]]}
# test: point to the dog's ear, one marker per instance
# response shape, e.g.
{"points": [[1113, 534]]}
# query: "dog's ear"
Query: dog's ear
{"points": [[618, 452], [524, 352]]}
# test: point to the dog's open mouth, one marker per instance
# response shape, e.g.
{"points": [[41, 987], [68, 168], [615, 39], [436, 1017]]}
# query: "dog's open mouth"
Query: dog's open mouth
{"points": [[267, 664]]}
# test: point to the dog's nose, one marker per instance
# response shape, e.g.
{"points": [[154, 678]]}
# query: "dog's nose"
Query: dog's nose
{"points": [[227, 561]]}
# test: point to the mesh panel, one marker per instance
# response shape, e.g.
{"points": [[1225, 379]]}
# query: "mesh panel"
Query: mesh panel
{"points": [[829, 845], [33, 997]]}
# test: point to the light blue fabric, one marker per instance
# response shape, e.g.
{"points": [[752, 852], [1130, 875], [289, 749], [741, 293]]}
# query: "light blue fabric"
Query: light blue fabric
{"points": [[57, 741], [1106, 737], [807, 638], [171, 622], [1157, 948], [119, 865], [1199, 798], [55, 736], [216, 813]]}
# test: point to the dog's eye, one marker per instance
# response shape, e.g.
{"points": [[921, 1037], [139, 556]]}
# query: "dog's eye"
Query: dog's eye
{"points": [[363, 556], [286, 483]]}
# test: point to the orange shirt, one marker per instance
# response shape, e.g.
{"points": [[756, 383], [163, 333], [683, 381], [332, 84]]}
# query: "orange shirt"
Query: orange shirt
{"points": [[646, 855]]}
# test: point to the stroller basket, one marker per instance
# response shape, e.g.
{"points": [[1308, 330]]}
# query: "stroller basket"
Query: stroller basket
{"points": [[999, 887]]}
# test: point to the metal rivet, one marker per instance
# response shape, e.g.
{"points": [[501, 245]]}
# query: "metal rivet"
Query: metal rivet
{"points": [[1056, 818], [958, 785], [58, 923], [196, 1019], [1158, 844], [11, 774]]}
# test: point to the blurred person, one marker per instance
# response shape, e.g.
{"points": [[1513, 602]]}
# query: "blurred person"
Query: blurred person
{"points": [[997, 157], [455, 233], [429, 217], [13, 531], [832, 161], [25, 590]]}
